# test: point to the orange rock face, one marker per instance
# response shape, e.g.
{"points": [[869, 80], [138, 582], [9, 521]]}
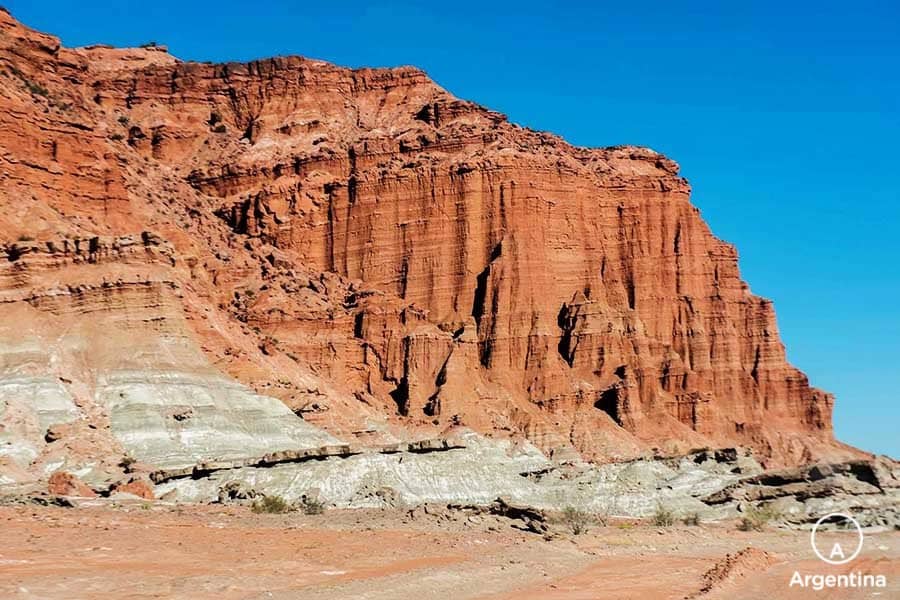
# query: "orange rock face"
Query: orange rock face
{"points": [[418, 257]]}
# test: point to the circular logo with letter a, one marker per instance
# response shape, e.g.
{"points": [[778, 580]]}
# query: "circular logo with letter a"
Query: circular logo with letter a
{"points": [[840, 546]]}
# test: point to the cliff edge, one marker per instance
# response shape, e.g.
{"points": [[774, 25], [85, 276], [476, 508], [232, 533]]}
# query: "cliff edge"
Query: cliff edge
{"points": [[387, 260]]}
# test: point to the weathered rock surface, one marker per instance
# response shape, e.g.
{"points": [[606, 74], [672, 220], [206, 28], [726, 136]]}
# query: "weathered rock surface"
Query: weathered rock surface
{"points": [[192, 255], [136, 487], [477, 472], [97, 369], [66, 484], [867, 489]]}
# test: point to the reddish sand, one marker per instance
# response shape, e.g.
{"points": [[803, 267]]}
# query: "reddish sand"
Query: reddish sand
{"points": [[152, 551]]}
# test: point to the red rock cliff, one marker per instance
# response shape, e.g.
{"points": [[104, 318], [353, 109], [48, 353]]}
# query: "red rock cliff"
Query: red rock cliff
{"points": [[429, 262]]}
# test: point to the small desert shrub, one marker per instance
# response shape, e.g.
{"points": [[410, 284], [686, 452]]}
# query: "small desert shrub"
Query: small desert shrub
{"points": [[33, 87], [271, 505], [757, 517], [127, 462], [37, 89], [123, 120], [117, 137], [663, 517], [25, 238], [576, 520], [311, 506], [692, 519]]}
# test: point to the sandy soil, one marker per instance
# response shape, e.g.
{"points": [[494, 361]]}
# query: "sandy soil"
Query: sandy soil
{"points": [[154, 551]]}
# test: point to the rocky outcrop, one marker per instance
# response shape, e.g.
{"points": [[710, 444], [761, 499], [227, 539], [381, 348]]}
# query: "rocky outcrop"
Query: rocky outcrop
{"points": [[204, 469], [135, 487], [94, 337], [867, 489], [371, 259], [66, 484], [521, 483], [476, 471]]}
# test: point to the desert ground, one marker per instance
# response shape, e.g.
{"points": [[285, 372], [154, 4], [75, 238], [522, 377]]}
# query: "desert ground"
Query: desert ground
{"points": [[151, 550]]}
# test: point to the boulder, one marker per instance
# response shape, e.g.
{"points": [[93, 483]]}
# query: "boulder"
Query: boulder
{"points": [[66, 484]]}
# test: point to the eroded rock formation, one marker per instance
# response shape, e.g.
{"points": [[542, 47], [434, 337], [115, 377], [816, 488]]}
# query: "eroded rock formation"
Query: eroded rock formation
{"points": [[387, 260]]}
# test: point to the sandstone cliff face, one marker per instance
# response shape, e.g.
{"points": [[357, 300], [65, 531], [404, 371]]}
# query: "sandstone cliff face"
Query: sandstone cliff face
{"points": [[384, 258]]}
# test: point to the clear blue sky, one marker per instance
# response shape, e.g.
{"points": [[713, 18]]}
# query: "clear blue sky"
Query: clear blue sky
{"points": [[784, 116]]}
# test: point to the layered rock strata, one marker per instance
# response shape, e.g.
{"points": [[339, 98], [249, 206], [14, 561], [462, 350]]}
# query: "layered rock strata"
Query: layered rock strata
{"points": [[216, 262]]}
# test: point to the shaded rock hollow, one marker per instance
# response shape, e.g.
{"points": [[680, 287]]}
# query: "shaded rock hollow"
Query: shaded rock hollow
{"points": [[387, 260]]}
